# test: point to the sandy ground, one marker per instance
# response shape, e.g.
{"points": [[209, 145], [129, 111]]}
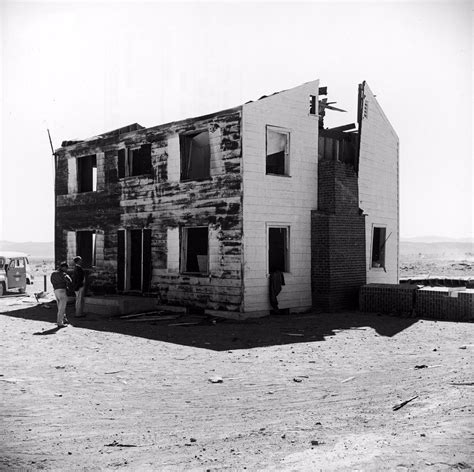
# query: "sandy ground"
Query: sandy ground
{"points": [[298, 393]]}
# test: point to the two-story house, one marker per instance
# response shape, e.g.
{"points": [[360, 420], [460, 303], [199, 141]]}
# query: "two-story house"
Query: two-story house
{"points": [[199, 212]]}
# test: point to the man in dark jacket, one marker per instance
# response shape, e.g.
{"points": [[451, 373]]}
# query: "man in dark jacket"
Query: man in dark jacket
{"points": [[78, 285], [60, 281]]}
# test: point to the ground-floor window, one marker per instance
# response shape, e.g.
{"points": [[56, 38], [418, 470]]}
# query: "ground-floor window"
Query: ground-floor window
{"points": [[195, 249], [378, 247], [278, 248], [86, 247]]}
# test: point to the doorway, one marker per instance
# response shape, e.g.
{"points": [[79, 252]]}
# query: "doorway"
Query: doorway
{"points": [[134, 260]]}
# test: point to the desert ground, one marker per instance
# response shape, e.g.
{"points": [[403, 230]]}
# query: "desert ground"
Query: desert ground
{"points": [[296, 393]]}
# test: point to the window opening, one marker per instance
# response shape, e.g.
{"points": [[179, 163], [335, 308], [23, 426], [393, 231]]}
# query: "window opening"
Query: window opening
{"points": [[278, 239], [195, 250], [278, 145], [87, 173], [86, 247], [195, 156], [312, 105], [378, 247], [134, 161]]}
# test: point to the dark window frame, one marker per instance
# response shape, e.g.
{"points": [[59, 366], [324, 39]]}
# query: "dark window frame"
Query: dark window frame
{"points": [[86, 177], [378, 250], [187, 173], [283, 259], [187, 266], [135, 161], [89, 260], [285, 165]]}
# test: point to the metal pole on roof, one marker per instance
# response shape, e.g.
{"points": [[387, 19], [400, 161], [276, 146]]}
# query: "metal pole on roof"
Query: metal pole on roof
{"points": [[55, 165]]}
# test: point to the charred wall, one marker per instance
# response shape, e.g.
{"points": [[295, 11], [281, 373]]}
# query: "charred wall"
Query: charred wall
{"points": [[159, 201]]}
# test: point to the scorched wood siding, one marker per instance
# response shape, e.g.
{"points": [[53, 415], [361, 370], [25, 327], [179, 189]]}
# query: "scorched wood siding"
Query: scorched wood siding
{"points": [[160, 202]]}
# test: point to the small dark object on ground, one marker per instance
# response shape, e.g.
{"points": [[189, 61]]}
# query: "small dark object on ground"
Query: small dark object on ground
{"points": [[117, 444], [402, 404]]}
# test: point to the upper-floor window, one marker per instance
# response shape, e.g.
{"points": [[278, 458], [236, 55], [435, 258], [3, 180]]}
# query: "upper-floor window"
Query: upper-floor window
{"points": [[195, 155], [134, 161], [378, 247], [277, 151], [313, 105], [87, 173]]}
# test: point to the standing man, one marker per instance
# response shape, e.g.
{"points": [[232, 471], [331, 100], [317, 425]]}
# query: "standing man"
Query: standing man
{"points": [[60, 281], [78, 283]]}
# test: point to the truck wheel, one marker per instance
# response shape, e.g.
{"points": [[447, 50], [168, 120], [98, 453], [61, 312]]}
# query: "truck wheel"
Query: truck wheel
{"points": [[2, 289]]}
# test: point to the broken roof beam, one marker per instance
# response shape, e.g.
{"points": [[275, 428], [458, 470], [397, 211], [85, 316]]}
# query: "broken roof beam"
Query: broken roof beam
{"points": [[348, 127]]}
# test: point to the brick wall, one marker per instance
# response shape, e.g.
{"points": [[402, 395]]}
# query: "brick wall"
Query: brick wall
{"points": [[337, 239], [442, 303]]}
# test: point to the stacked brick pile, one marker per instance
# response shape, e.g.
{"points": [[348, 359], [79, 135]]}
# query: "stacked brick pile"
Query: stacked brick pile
{"points": [[388, 298], [433, 302], [445, 303]]}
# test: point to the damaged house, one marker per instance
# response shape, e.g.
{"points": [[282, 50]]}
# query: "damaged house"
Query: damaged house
{"points": [[197, 213]]}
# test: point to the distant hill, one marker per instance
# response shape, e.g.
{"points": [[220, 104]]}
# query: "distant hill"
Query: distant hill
{"points": [[33, 249], [436, 239], [432, 247], [445, 250]]}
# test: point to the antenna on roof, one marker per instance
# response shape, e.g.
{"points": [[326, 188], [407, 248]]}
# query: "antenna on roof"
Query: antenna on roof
{"points": [[51, 143]]}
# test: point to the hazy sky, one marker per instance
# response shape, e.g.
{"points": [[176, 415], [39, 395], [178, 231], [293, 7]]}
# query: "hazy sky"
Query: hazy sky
{"points": [[85, 68]]}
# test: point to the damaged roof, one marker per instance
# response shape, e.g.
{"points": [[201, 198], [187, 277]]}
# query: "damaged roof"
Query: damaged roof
{"points": [[137, 127]]}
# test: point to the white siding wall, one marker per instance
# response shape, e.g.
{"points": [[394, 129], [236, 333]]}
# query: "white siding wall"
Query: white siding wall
{"points": [[279, 200], [378, 186]]}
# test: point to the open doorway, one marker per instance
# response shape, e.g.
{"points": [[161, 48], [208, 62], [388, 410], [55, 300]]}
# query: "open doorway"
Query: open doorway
{"points": [[134, 260]]}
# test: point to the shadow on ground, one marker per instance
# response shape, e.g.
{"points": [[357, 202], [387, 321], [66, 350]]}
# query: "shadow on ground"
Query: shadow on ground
{"points": [[222, 335]]}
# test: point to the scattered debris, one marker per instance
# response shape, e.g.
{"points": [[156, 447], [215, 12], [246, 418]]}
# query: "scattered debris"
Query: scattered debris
{"points": [[216, 379], [60, 367], [58, 394], [136, 315], [153, 318], [297, 379], [117, 444], [402, 404], [421, 366], [347, 380], [10, 380], [469, 384], [293, 334], [314, 442], [184, 324], [192, 440], [113, 372]]}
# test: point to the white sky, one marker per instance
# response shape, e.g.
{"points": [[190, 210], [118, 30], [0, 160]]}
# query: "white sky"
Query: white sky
{"points": [[85, 68]]}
